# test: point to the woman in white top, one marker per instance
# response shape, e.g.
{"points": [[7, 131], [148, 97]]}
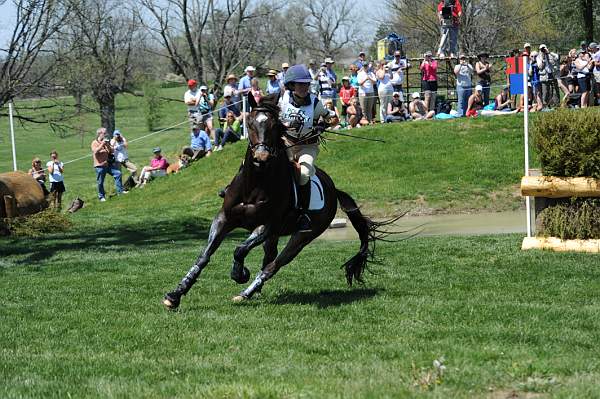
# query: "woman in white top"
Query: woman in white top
{"points": [[120, 145], [583, 64], [366, 92], [385, 89], [55, 174]]}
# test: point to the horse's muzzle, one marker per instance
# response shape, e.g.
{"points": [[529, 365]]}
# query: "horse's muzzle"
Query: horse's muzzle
{"points": [[261, 154]]}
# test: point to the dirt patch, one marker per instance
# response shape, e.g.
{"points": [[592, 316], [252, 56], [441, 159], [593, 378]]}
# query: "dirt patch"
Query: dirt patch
{"points": [[513, 394]]}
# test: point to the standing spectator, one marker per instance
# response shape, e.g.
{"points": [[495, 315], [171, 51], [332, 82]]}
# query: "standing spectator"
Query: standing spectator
{"points": [[158, 168], [120, 145], [325, 84], [449, 13], [418, 109], [483, 68], [354, 77], [274, 85], [104, 163], [347, 93], [332, 77], [430, 85], [232, 84], [281, 75], [39, 174], [244, 86], [314, 74], [475, 102], [568, 80], [192, 97], [397, 68], [547, 63], [55, 173], [230, 132], [527, 49], [199, 144], [595, 54], [255, 90], [385, 89], [583, 65], [396, 111], [361, 60], [463, 72], [503, 101], [366, 92], [206, 105], [536, 84], [583, 46]]}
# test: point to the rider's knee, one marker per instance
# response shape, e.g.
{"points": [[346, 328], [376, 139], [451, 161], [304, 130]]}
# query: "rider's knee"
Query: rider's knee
{"points": [[305, 172]]}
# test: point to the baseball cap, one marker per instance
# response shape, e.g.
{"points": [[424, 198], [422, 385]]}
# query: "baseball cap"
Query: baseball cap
{"points": [[346, 78], [192, 82], [117, 132], [478, 88], [203, 88], [583, 43], [462, 56], [397, 53], [285, 65], [362, 53], [328, 60], [527, 45], [593, 45], [543, 46], [249, 68], [156, 150], [416, 95], [428, 54], [396, 94], [311, 62]]}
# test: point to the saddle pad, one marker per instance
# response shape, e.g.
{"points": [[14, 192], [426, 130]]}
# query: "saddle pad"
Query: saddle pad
{"points": [[317, 199]]}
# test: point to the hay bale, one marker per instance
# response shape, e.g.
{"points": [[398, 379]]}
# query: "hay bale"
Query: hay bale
{"points": [[26, 192]]}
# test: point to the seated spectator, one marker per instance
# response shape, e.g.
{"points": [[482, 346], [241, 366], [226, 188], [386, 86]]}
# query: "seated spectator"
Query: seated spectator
{"points": [[228, 106], [105, 163], [120, 145], [356, 116], [503, 100], [57, 186], [418, 108], [347, 93], [255, 90], [396, 111], [334, 119], [475, 104], [158, 167], [274, 85], [199, 144], [39, 174], [231, 131], [568, 80]]}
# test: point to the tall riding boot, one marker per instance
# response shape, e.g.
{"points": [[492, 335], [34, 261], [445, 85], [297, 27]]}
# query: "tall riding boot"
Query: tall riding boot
{"points": [[304, 222]]}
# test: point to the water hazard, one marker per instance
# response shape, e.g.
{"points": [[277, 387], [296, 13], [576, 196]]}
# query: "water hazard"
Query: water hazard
{"points": [[434, 225]]}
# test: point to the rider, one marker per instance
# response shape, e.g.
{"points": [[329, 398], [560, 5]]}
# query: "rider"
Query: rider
{"points": [[301, 112]]}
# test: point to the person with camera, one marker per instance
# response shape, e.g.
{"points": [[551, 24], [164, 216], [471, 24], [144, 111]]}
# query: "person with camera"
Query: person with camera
{"points": [[55, 173], [120, 145], [449, 13], [39, 174], [398, 67], [483, 68], [105, 163], [366, 91], [385, 89], [429, 82], [548, 65], [463, 71]]}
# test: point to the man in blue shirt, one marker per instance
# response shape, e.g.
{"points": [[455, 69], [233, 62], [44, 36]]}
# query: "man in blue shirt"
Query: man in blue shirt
{"points": [[244, 85], [274, 85], [200, 145]]}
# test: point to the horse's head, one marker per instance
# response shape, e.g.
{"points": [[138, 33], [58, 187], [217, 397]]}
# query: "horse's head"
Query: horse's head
{"points": [[264, 128]]}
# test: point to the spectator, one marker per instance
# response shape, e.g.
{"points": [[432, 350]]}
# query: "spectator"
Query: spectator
{"points": [[547, 63], [206, 105], [105, 163], [396, 111], [567, 79], [39, 174], [232, 84], [429, 71], [527, 49], [595, 54], [281, 75], [231, 132], [418, 109], [325, 84], [199, 144], [244, 86], [274, 85], [192, 97], [366, 92], [536, 84], [354, 77], [228, 105], [120, 146], [463, 72], [385, 89], [397, 68], [255, 90], [55, 173], [355, 114], [483, 68], [361, 60], [334, 119], [449, 13], [475, 104], [314, 74], [347, 93], [333, 77], [583, 65], [158, 168], [503, 100], [583, 46]]}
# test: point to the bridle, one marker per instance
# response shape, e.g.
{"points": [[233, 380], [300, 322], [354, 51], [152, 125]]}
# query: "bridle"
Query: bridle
{"points": [[274, 151]]}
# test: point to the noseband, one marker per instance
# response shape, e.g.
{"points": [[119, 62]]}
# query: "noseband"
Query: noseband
{"points": [[261, 145]]}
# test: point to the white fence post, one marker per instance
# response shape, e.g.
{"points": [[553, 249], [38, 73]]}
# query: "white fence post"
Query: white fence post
{"points": [[526, 133], [244, 110], [12, 134]]}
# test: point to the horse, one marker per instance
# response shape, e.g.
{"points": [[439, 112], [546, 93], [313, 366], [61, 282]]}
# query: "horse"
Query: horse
{"points": [[260, 199]]}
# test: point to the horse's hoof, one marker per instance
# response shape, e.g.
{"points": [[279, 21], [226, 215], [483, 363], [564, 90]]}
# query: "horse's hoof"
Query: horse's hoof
{"points": [[170, 303], [243, 277], [239, 299]]}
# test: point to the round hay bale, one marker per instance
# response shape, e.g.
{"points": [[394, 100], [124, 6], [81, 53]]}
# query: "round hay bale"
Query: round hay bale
{"points": [[24, 190]]}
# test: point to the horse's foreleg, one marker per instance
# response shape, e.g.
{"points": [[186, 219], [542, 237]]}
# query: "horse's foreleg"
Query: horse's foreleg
{"points": [[296, 243], [270, 248], [239, 273], [218, 230]]}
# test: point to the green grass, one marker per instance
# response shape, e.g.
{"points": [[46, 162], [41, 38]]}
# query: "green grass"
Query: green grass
{"points": [[82, 318]]}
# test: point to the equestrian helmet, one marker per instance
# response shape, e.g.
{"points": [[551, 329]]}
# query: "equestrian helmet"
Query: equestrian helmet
{"points": [[297, 74]]}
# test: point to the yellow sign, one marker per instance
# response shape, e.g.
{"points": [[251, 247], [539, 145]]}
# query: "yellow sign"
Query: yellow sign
{"points": [[382, 47]]}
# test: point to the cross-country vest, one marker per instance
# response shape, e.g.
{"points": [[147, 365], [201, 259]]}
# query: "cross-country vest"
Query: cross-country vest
{"points": [[302, 116]]}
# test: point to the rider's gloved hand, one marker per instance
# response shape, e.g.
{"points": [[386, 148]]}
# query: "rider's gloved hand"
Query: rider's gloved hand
{"points": [[319, 128]]}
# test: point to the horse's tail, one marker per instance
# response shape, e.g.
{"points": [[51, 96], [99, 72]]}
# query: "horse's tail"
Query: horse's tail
{"points": [[369, 233]]}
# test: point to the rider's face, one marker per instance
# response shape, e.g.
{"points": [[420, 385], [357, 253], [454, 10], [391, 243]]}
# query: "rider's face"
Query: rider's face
{"points": [[301, 89]]}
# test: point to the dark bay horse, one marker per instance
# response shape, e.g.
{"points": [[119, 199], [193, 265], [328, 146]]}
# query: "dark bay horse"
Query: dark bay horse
{"points": [[260, 199]]}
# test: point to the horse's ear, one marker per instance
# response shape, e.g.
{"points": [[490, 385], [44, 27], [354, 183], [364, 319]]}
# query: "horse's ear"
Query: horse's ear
{"points": [[251, 101]]}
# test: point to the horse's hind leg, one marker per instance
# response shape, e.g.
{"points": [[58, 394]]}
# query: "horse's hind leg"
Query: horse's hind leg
{"points": [[239, 273], [296, 243], [218, 230]]}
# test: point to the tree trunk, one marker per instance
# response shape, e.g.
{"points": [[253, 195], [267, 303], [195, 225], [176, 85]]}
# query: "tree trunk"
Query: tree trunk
{"points": [[588, 19], [107, 112]]}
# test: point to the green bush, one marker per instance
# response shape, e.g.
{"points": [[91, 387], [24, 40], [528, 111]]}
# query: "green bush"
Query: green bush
{"points": [[46, 222], [568, 142], [152, 105], [577, 219]]}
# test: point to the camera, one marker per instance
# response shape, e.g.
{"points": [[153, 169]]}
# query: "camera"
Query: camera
{"points": [[106, 140]]}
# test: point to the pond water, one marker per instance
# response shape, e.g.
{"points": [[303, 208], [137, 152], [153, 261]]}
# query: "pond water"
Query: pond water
{"points": [[433, 225]]}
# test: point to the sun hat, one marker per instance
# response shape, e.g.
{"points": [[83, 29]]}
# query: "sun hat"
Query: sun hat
{"points": [[191, 82], [231, 76], [249, 68], [117, 132], [462, 56], [156, 150], [272, 72], [483, 54], [527, 45], [285, 65], [297, 74], [311, 62], [478, 88], [323, 64], [416, 95], [328, 60], [593, 45], [396, 94]]}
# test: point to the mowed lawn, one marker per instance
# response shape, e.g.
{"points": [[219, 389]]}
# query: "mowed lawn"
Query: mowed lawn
{"points": [[81, 317]]}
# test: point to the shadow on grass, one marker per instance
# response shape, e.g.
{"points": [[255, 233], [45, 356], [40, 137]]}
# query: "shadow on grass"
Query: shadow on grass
{"points": [[327, 298], [118, 238]]}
